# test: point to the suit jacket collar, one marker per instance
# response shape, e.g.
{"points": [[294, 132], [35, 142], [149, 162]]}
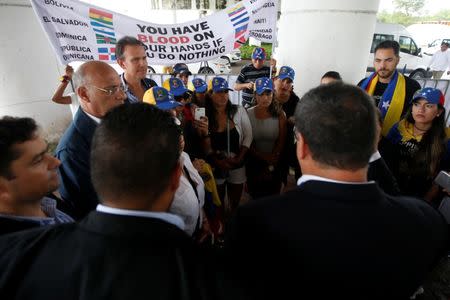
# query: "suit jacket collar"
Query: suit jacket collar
{"points": [[345, 191], [119, 225], [84, 125]]}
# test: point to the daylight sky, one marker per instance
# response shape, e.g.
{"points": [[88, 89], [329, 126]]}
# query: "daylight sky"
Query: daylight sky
{"points": [[431, 6]]}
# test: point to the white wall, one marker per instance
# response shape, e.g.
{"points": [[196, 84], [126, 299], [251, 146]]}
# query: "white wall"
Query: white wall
{"points": [[319, 36], [28, 70]]}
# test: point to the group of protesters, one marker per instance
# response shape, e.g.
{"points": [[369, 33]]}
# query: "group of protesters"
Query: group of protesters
{"points": [[143, 195]]}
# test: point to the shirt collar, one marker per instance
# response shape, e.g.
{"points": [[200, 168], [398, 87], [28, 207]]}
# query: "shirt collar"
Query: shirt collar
{"points": [[306, 178], [48, 206], [375, 156], [131, 97], [168, 217], [95, 119]]}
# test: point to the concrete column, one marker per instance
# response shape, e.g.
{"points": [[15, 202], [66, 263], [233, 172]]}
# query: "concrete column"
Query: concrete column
{"points": [[318, 36], [29, 71]]}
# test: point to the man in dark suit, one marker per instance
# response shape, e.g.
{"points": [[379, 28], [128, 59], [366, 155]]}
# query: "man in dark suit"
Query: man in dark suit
{"points": [[99, 89], [130, 247], [336, 235]]}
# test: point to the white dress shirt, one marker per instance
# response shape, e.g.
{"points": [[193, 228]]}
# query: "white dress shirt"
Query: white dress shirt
{"points": [[168, 217], [306, 178], [185, 203], [440, 61]]}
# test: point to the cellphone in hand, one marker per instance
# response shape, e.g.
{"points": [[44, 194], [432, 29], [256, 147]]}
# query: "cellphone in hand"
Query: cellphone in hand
{"points": [[443, 180], [199, 113]]}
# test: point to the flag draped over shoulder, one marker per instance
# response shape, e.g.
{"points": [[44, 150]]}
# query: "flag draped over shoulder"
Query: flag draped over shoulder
{"points": [[79, 31], [391, 102]]}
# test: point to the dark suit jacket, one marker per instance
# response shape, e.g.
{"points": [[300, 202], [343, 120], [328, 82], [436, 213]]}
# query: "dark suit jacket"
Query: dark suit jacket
{"points": [[74, 172], [335, 241], [105, 256], [8, 225], [380, 173]]}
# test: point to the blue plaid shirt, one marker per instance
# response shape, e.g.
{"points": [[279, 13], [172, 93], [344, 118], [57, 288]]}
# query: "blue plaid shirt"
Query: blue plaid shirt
{"points": [[48, 206], [147, 83]]}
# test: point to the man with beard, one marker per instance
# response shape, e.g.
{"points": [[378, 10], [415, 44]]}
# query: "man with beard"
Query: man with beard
{"points": [[391, 90], [131, 57]]}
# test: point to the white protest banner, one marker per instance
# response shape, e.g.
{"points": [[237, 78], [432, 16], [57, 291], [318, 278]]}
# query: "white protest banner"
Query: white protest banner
{"points": [[79, 31]]}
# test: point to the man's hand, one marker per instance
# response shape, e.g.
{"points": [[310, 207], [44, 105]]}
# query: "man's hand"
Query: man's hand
{"points": [[69, 72], [250, 85]]}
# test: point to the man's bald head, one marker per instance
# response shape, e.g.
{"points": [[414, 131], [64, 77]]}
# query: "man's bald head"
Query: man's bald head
{"points": [[98, 87]]}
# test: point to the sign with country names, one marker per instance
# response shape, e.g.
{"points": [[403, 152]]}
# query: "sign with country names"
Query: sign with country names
{"points": [[80, 32]]}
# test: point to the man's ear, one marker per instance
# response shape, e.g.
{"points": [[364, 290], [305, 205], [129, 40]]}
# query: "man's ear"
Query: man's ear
{"points": [[121, 63], [83, 93], [302, 147], [4, 189]]}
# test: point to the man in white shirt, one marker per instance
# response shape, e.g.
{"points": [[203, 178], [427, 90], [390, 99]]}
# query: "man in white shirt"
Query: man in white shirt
{"points": [[440, 62]]}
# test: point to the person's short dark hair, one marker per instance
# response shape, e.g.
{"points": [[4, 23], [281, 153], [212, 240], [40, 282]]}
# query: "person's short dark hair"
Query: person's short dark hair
{"points": [[337, 121], [135, 151], [388, 44], [13, 131], [332, 74], [446, 44], [126, 41]]}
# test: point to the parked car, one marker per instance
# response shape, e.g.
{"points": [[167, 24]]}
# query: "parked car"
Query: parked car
{"points": [[233, 57], [215, 66], [412, 62]]}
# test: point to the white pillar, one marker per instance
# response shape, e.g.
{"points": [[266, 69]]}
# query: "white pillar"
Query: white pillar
{"points": [[28, 69], [319, 36]]}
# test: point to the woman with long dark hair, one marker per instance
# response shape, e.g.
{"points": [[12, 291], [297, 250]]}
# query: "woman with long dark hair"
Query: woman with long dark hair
{"points": [[230, 136], [269, 133], [416, 148]]}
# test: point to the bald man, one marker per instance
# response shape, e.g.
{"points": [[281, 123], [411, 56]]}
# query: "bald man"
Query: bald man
{"points": [[99, 89]]}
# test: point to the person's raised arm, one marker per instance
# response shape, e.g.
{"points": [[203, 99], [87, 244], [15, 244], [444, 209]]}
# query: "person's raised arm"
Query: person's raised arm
{"points": [[58, 95]]}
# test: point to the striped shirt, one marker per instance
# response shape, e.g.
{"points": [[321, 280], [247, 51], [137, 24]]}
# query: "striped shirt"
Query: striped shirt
{"points": [[249, 74], [48, 206]]}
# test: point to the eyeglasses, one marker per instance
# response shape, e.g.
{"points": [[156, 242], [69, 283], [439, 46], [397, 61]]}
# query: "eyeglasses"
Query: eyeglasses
{"points": [[112, 90]]}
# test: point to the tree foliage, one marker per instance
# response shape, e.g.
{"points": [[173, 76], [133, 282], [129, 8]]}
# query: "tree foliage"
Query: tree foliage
{"points": [[406, 20], [409, 7]]}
